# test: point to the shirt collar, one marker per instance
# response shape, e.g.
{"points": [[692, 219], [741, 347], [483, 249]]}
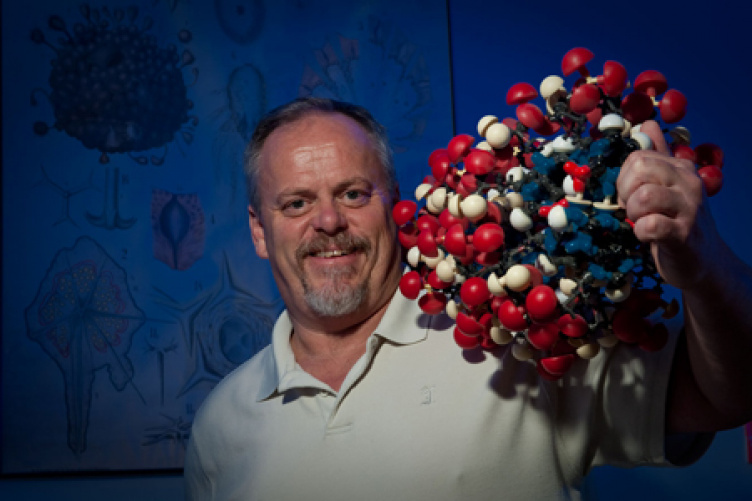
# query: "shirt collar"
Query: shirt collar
{"points": [[403, 323]]}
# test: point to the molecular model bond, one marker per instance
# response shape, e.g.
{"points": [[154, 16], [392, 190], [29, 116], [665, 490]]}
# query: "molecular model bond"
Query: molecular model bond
{"points": [[520, 238]]}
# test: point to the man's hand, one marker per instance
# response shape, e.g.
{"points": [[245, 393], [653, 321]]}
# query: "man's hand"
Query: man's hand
{"points": [[664, 197]]}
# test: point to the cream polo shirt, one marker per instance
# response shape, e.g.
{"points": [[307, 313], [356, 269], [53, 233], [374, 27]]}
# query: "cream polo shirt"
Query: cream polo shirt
{"points": [[419, 419]]}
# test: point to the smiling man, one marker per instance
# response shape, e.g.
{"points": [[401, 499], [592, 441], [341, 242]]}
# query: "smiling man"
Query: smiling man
{"points": [[323, 221], [361, 396]]}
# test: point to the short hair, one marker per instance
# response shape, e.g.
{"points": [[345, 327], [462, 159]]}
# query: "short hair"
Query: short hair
{"points": [[300, 108]]}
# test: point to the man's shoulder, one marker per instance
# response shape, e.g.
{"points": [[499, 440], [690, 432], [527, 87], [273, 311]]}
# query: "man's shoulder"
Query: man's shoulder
{"points": [[241, 387]]}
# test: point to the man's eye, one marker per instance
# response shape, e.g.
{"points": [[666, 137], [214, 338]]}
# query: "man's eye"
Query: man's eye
{"points": [[294, 206], [356, 196]]}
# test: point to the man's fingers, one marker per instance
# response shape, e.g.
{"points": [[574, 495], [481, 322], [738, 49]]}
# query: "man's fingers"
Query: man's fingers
{"points": [[654, 132]]}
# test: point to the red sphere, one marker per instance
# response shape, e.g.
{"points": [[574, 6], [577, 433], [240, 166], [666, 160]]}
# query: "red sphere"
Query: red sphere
{"points": [[428, 222], [614, 78], [427, 244], [411, 284], [439, 163], [557, 365], [459, 146], [651, 82], [521, 93], [464, 341], [541, 303], [531, 116], [512, 316], [469, 324], [454, 241], [403, 211], [673, 106], [447, 220], [408, 236], [479, 162], [683, 151], [709, 154], [575, 60], [712, 179], [488, 237], [432, 303], [543, 336], [584, 99], [435, 282], [572, 326], [637, 107], [474, 291]]}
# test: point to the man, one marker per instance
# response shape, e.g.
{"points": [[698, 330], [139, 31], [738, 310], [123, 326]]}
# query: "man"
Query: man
{"points": [[360, 396]]}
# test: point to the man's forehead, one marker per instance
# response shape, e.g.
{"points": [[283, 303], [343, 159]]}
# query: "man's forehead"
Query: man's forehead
{"points": [[316, 124], [307, 154]]}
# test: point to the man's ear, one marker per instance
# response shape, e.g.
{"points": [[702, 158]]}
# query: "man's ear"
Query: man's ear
{"points": [[257, 233]]}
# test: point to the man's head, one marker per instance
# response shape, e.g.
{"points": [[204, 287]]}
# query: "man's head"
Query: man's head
{"points": [[299, 108], [321, 188]]}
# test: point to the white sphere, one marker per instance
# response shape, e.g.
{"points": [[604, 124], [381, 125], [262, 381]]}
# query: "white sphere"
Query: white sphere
{"points": [[643, 140], [544, 264], [515, 174], [498, 135], [501, 335], [568, 186], [484, 123], [550, 85], [588, 350], [422, 190], [519, 220], [517, 278], [474, 207], [495, 286], [445, 271], [557, 218], [620, 294], [522, 352], [563, 144], [413, 256], [452, 309], [433, 262], [611, 121]]}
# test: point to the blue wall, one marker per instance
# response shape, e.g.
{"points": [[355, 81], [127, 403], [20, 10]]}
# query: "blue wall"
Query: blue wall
{"points": [[704, 52]]}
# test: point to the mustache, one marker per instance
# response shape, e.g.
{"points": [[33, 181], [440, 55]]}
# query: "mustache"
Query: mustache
{"points": [[342, 241]]}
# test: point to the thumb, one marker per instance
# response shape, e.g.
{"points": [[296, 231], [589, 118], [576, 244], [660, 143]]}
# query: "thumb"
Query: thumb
{"points": [[654, 132]]}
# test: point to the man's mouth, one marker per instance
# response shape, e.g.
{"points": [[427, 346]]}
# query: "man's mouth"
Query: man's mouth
{"points": [[330, 253], [327, 247]]}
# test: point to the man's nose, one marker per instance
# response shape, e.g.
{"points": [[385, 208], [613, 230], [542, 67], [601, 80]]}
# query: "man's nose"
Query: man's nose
{"points": [[329, 218]]}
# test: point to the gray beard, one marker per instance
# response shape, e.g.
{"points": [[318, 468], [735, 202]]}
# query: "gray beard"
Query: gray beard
{"points": [[335, 298]]}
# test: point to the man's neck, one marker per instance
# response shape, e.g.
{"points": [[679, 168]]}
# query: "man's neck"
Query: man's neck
{"points": [[327, 350]]}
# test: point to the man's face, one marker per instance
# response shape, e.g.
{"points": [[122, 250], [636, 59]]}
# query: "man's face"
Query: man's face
{"points": [[324, 220]]}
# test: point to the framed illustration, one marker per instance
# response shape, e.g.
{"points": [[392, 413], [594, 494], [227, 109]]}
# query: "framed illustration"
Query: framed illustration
{"points": [[130, 283]]}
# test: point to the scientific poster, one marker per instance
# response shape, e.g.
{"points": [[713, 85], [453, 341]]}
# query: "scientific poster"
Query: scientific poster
{"points": [[130, 284]]}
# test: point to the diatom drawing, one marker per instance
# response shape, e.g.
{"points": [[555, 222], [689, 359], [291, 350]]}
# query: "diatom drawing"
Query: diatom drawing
{"points": [[224, 326], [66, 195], [246, 103], [381, 69], [176, 430], [113, 88], [241, 20], [178, 228], [116, 90], [84, 318]]}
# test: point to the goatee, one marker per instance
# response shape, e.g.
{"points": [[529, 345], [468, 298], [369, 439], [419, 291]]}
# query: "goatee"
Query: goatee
{"points": [[336, 297]]}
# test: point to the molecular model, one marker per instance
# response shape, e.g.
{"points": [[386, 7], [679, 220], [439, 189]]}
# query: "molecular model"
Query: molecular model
{"points": [[520, 238]]}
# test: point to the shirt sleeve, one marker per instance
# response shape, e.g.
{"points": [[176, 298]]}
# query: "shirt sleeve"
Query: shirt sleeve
{"points": [[198, 486]]}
